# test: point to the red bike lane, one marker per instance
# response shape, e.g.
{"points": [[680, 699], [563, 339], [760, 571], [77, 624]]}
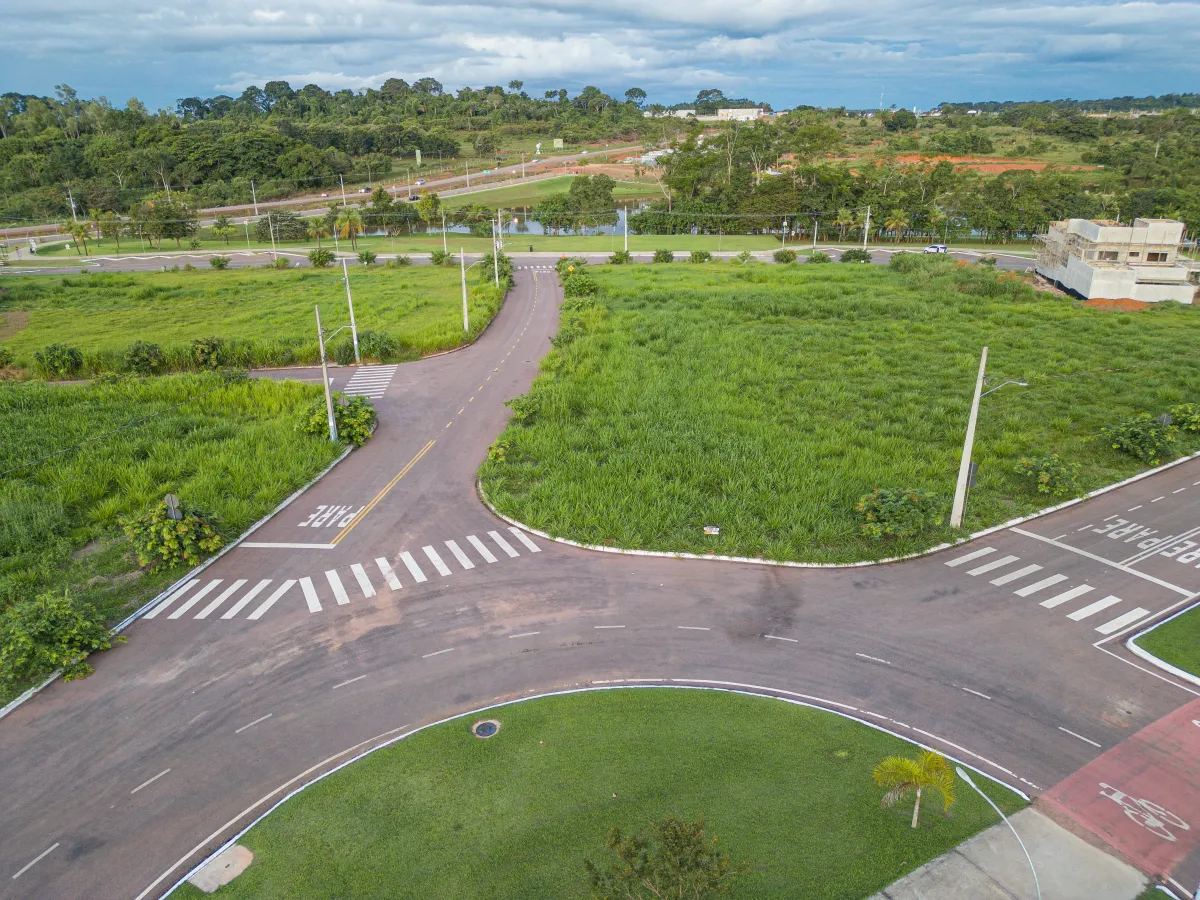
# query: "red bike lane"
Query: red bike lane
{"points": [[1142, 797]]}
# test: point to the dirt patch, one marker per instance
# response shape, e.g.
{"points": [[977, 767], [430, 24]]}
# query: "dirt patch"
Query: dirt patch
{"points": [[1123, 304], [13, 321], [87, 550]]}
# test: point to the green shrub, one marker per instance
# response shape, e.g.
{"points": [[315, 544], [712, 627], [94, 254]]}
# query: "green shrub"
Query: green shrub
{"points": [[986, 261], [376, 345], [1186, 415], [354, 419], [569, 264], [700, 256], [6, 358], [581, 284], [818, 256], [397, 262], [51, 631], [367, 257], [856, 255], [162, 541], [744, 257], [58, 361], [524, 409], [1050, 474], [620, 258], [488, 271], [188, 267], [281, 263], [144, 358], [320, 258], [1142, 436], [219, 262], [664, 256], [891, 513], [785, 256], [498, 449], [208, 353], [441, 258], [343, 352]]}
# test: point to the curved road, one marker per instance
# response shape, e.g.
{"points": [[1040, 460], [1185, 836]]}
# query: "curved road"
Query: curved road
{"points": [[388, 596]]}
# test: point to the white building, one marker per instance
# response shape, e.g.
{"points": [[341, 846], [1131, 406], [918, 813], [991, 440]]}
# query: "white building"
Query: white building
{"points": [[1106, 260], [738, 115], [670, 113]]}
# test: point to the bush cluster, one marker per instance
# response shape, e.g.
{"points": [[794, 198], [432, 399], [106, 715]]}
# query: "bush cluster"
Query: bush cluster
{"points": [[1050, 474], [859, 255], [399, 261], [579, 284], [664, 256], [219, 262], [1186, 416], [441, 258], [367, 257], [50, 631], [700, 256], [208, 353], [281, 263], [887, 512], [819, 256], [6, 358], [620, 258], [376, 345], [144, 358], [1142, 436], [355, 419], [58, 361], [785, 256], [320, 258], [162, 541], [568, 265]]}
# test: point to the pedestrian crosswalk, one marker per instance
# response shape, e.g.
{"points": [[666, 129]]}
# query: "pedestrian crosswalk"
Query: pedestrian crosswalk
{"points": [[539, 268], [370, 381], [983, 563], [345, 583]]}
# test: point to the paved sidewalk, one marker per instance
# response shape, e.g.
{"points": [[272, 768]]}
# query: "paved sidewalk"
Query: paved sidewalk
{"points": [[991, 866]]}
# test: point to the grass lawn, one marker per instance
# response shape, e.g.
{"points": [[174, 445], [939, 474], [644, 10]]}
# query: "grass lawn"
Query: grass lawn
{"points": [[1177, 642], [767, 400], [444, 814], [520, 195], [267, 314], [233, 452]]}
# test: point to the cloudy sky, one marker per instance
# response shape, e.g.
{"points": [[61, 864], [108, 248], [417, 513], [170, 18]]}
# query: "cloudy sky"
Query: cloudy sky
{"points": [[787, 52]]}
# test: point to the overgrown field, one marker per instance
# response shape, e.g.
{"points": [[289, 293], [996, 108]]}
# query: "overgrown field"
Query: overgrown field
{"points": [[264, 316], [785, 789], [767, 400], [231, 450]]}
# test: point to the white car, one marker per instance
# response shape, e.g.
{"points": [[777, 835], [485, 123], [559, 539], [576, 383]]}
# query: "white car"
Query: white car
{"points": [[936, 248], [419, 181], [535, 159]]}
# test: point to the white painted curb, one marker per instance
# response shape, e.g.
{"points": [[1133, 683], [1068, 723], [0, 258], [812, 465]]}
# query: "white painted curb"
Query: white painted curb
{"points": [[682, 684], [757, 561], [1132, 647], [129, 620]]}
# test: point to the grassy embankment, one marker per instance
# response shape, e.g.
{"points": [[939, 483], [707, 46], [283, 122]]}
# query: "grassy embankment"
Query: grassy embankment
{"points": [[233, 452], [767, 400], [444, 814], [266, 315], [1177, 642]]}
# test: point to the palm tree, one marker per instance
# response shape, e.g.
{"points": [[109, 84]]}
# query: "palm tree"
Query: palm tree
{"points": [[844, 220], [223, 228], [896, 222], [79, 231], [349, 224], [317, 229], [902, 776], [94, 221]]}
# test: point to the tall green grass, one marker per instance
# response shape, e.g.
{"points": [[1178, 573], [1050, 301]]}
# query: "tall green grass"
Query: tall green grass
{"points": [[265, 316], [767, 400], [234, 452]]}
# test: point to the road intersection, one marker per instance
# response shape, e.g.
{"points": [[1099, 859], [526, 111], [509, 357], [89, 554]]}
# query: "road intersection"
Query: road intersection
{"points": [[388, 596]]}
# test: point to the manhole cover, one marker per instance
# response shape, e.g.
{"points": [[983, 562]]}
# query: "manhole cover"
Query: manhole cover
{"points": [[485, 729]]}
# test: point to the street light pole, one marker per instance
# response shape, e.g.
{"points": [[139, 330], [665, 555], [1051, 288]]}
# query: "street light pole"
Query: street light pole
{"points": [[964, 466], [496, 248], [342, 182], [350, 303], [816, 228], [444, 249], [254, 196], [967, 778], [271, 229], [462, 261], [626, 229], [333, 435], [867, 226]]}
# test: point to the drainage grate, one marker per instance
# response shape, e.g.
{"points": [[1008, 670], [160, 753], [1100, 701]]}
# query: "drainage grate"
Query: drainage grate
{"points": [[485, 729]]}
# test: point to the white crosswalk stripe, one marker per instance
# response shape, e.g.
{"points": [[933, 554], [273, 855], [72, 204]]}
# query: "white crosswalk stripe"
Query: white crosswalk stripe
{"points": [[502, 543], [413, 568], [310, 595], [388, 574], [481, 549], [167, 601], [1066, 596], [994, 564], [1013, 576], [520, 535], [364, 583], [463, 559], [1039, 585], [970, 556], [1122, 620], [250, 595], [339, 592], [370, 381], [270, 601], [221, 598], [441, 567], [1092, 608], [195, 598]]}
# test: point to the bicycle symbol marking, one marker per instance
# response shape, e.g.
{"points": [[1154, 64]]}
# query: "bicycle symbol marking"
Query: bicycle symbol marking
{"points": [[1149, 815]]}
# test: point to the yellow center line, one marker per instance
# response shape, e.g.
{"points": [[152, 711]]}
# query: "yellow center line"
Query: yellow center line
{"points": [[383, 493]]}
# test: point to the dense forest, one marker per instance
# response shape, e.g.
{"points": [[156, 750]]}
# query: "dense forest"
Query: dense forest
{"points": [[808, 165]]}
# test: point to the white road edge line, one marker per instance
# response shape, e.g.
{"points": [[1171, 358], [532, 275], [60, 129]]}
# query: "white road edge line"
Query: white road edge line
{"points": [[150, 781], [873, 658], [255, 722], [437, 653], [35, 861], [344, 683], [692, 628], [608, 626], [1080, 736], [772, 637], [977, 694], [523, 634]]}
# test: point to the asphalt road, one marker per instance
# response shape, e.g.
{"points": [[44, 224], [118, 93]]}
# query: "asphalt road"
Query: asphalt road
{"points": [[243, 259], [387, 596]]}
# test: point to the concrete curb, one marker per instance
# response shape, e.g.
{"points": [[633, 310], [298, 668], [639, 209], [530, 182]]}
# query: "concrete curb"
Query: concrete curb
{"points": [[851, 565], [150, 604], [1132, 647], [682, 684]]}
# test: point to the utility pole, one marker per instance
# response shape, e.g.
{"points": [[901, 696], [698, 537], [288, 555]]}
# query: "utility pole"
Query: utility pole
{"points": [[247, 224], [783, 234], [496, 249], [964, 466], [816, 228], [444, 249], [523, 161], [342, 182], [333, 435], [71, 200], [468, 168], [271, 228], [462, 262], [626, 229], [867, 227], [350, 303], [254, 196]]}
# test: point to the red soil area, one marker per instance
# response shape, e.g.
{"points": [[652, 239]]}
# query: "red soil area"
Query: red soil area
{"points": [[1124, 304]]}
